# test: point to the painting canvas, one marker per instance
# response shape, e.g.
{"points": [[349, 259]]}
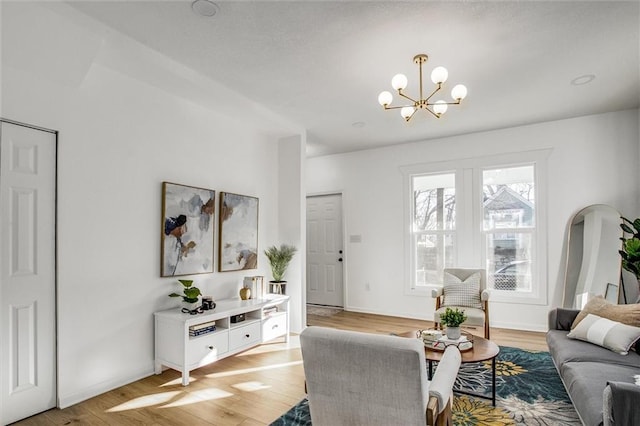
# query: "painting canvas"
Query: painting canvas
{"points": [[187, 230], [238, 232]]}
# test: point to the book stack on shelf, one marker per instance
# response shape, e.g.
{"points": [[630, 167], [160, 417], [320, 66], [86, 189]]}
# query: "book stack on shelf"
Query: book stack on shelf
{"points": [[269, 311], [256, 284], [200, 329]]}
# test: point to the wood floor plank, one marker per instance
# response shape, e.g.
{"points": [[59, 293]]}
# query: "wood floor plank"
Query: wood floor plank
{"points": [[249, 389]]}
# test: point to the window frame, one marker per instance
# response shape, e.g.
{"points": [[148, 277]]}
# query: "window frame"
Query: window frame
{"points": [[469, 219], [413, 234]]}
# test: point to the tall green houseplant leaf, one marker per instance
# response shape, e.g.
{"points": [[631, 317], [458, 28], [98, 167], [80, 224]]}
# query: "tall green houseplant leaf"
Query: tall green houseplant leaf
{"points": [[279, 258], [630, 252]]}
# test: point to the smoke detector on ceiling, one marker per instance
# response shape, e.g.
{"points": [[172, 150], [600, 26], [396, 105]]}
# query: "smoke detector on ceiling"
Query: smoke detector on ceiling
{"points": [[205, 8]]}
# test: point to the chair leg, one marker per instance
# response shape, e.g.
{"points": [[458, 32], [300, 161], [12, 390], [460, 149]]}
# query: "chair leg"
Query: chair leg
{"points": [[445, 418], [486, 320]]}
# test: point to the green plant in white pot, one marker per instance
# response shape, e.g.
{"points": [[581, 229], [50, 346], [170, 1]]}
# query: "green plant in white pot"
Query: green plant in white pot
{"points": [[279, 259], [452, 318], [190, 294]]}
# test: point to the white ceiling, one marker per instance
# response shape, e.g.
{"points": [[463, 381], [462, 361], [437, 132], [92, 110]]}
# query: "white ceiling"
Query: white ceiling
{"points": [[322, 64]]}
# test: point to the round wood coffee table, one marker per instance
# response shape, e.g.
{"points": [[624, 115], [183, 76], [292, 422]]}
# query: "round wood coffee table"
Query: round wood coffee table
{"points": [[482, 350]]}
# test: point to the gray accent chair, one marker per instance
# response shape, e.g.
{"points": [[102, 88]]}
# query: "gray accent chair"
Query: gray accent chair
{"points": [[475, 317], [355, 379]]}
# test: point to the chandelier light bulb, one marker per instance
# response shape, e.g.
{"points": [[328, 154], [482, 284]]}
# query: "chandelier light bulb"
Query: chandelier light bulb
{"points": [[407, 112], [439, 75], [399, 81], [459, 92], [385, 98], [440, 107]]}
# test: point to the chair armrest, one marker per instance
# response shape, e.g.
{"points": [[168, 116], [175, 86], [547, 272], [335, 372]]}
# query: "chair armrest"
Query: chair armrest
{"points": [[619, 402], [485, 295], [562, 318], [442, 383], [437, 292]]}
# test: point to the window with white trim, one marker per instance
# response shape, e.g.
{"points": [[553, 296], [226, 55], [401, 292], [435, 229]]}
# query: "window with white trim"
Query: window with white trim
{"points": [[479, 213], [508, 206], [433, 225]]}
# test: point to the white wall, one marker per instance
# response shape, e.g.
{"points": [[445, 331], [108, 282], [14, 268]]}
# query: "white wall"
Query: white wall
{"points": [[594, 159], [120, 137]]}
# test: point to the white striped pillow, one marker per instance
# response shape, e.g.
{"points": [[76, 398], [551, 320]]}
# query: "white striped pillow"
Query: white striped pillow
{"points": [[603, 332], [462, 293]]}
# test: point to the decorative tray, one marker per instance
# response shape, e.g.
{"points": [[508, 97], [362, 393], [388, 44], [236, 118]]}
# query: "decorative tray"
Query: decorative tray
{"points": [[440, 342]]}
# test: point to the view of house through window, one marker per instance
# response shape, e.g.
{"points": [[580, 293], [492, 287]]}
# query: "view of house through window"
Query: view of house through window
{"points": [[434, 224], [508, 226], [490, 222]]}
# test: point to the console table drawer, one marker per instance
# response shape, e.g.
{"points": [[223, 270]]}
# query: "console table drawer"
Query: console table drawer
{"points": [[205, 349], [244, 336], [274, 326]]}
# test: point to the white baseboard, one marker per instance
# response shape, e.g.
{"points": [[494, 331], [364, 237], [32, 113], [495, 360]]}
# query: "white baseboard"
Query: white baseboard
{"points": [[65, 401]]}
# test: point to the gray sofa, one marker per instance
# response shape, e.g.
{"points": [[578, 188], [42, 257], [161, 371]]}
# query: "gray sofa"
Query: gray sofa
{"points": [[587, 369]]}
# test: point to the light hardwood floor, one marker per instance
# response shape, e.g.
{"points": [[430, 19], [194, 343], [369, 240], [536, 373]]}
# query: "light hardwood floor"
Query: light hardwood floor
{"points": [[251, 388]]}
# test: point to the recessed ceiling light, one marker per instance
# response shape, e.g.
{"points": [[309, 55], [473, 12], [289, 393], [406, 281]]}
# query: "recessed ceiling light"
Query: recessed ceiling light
{"points": [[358, 124], [205, 8], [583, 79]]}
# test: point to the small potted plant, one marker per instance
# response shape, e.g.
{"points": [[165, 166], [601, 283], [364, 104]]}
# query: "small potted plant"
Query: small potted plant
{"points": [[190, 296], [452, 318], [631, 247], [279, 258]]}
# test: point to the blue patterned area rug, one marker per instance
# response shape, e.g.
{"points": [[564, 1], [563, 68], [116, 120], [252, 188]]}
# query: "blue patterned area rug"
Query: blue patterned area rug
{"points": [[528, 392]]}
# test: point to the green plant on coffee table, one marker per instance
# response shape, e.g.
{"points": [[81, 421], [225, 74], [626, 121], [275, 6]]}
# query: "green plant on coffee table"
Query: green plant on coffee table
{"points": [[631, 246], [191, 293], [452, 317]]}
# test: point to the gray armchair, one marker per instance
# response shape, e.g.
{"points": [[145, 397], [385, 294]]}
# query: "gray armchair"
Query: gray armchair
{"points": [[355, 378], [476, 316]]}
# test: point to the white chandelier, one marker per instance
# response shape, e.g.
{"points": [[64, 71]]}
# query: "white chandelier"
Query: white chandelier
{"points": [[438, 76]]}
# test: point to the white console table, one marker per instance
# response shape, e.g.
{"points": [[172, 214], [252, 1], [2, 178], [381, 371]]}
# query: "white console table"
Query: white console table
{"points": [[176, 349]]}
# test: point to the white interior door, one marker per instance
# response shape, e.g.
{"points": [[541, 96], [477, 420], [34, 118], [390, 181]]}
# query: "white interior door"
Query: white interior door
{"points": [[27, 271], [325, 254]]}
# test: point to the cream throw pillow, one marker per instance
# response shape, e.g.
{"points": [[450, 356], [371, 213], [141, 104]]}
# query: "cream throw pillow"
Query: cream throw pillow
{"points": [[603, 332], [462, 293], [626, 314]]}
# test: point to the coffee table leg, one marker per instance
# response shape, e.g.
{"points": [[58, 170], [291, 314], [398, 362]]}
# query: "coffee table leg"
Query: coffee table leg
{"points": [[493, 381], [430, 373]]}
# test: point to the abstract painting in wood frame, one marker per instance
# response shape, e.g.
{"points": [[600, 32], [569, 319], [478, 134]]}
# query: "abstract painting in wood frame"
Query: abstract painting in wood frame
{"points": [[187, 230], [238, 248]]}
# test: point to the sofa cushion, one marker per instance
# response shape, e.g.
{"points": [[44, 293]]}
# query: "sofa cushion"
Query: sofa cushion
{"points": [[603, 332], [564, 350], [585, 383], [626, 314], [462, 293]]}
